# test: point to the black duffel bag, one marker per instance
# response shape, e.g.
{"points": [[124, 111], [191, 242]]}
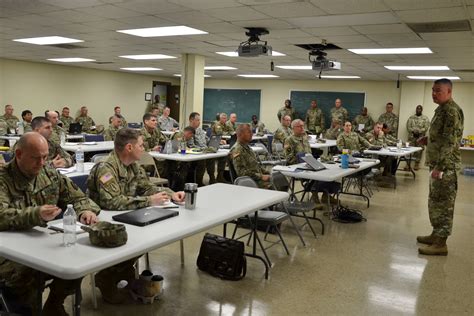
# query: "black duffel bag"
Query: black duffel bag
{"points": [[222, 257]]}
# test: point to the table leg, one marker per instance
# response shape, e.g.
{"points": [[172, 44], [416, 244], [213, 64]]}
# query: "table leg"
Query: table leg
{"points": [[77, 297]]}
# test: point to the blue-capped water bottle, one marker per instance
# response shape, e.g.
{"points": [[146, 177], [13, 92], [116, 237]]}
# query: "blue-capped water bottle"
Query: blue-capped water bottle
{"points": [[345, 159]]}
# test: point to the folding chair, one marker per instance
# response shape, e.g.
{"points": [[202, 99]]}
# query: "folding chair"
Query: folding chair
{"points": [[147, 160], [98, 158], [266, 158]]}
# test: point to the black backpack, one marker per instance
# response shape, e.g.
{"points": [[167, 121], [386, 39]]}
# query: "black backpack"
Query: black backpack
{"points": [[344, 215], [222, 257]]}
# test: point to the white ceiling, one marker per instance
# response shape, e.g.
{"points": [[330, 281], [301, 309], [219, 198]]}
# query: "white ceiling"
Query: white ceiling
{"points": [[346, 23]]}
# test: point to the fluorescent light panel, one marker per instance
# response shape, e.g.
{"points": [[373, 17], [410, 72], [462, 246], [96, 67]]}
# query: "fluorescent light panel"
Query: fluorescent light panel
{"points": [[306, 67], [48, 40], [433, 77], [149, 56], [396, 51], [141, 69], [71, 60], [179, 75], [259, 76], [219, 68], [339, 77], [163, 31], [417, 67], [235, 54]]}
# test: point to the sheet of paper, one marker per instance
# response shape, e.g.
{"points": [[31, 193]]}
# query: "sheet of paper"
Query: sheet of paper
{"points": [[361, 127], [57, 225]]}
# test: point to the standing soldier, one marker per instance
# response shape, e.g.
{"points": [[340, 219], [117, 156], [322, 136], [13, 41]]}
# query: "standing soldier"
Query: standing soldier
{"points": [[314, 119], [444, 160], [10, 119], [363, 123], [390, 119], [286, 110], [417, 126], [155, 105], [339, 112]]}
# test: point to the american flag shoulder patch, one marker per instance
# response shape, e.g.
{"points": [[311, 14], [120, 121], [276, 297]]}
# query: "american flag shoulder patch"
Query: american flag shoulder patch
{"points": [[106, 178]]}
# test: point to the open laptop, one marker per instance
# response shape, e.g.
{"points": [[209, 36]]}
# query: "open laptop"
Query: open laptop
{"points": [[75, 128], [145, 216], [313, 163], [214, 142], [232, 140]]}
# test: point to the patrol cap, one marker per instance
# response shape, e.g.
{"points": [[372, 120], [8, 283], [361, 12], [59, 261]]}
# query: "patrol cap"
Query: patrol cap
{"points": [[105, 234]]}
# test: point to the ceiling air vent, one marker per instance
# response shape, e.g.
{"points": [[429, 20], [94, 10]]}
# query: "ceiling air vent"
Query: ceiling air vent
{"points": [[318, 46], [439, 27], [67, 46]]}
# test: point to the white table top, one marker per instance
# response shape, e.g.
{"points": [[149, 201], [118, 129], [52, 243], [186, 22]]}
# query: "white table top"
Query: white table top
{"points": [[393, 151], [254, 137], [42, 250], [332, 173], [169, 133], [328, 143], [72, 172], [197, 156], [17, 137], [93, 146], [467, 148]]}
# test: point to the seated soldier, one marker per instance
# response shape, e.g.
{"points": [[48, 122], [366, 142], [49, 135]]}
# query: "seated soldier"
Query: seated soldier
{"points": [[53, 117], [334, 131], [232, 123], [33, 193], [27, 116], [87, 123], [351, 140], [166, 122], [283, 132], [377, 138], [153, 138], [115, 125], [257, 126], [65, 118], [119, 184], [245, 161]]}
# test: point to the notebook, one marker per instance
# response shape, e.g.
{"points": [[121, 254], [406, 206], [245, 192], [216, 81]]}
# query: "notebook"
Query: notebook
{"points": [[145, 216]]}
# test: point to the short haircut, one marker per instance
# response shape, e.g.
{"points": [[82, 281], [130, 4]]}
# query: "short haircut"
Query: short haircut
{"points": [[385, 125], [117, 107], [125, 136], [379, 123], [390, 103], [66, 108], [47, 111], [218, 116], [25, 112], [296, 122], [8, 105], [38, 122], [254, 116], [83, 107], [222, 115], [444, 81], [189, 129], [148, 116], [241, 128], [193, 115], [289, 101]]}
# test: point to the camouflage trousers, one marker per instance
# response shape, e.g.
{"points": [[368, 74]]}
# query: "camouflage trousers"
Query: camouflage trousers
{"points": [[441, 202], [416, 156], [202, 166]]}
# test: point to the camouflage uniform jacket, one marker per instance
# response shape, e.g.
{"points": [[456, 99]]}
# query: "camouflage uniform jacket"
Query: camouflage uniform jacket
{"points": [[375, 140], [366, 120], [200, 138], [390, 140], [110, 132], [26, 127], [259, 126], [152, 139], [154, 105], [352, 141], [232, 127], [221, 129], [53, 151], [333, 133], [281, 134], [11, 121], [245, 163], [21, 198], [417, 127], [340, 114], [56, 135], [392, 122], [444, 137], [295, 145], [179, 136], [3, 130], [286, 111], [314, 120], [66, 122], [87, 122], [114, 186]]}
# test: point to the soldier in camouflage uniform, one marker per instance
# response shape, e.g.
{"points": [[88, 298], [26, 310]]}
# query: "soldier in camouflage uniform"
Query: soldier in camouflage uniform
{"points": [[315, 119], [10, 119], [200, 140], [390, 140], [377, 138], [282, 133], [88, 124], [339, 112], [221, 128], [257, 126], [350, 140], [65, 118], [27, 116], [53, 117], [417, 126], [286, 110], [232, 123], [245, 161], [118, 111], [155, 105], [120, 184], [153, 138], [31, 194], [390, 119], [334, 131], [180, 169], [364, 119], [296, 143], [115, 125], [444, 160], [166, 122]]}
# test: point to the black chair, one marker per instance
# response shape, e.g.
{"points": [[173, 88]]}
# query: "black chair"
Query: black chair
{"points": [[81, 182]]}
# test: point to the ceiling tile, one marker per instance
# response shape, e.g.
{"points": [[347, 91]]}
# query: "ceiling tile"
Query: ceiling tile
{"points": [[237, 14], [71, 4], [109, 11], [432, 15], [327, 31], [382, 28], [289, 9], [271, 24], [345, 20], [189, 17], [344, 7], [422, 4], [394, 37], [206, 4]]}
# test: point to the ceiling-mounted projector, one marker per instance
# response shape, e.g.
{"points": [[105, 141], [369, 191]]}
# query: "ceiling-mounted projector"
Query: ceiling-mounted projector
{"points": [[321, 63], [254, 47]]}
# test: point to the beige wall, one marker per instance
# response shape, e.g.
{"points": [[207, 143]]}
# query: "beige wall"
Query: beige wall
{"points": [[41, 86]]}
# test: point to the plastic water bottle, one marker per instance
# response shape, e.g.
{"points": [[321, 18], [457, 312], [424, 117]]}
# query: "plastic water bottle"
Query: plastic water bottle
{"points": [[69, 226], [345, 159], [79, 159], [20, 129], [62, 138]]}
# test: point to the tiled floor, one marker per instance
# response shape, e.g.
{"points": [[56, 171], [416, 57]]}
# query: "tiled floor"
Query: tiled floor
{"points": [[370, 268]]}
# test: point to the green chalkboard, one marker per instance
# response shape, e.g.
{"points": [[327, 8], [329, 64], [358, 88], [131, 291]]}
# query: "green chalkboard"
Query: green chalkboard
{"points": [[352, 101], [244, 103]]}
